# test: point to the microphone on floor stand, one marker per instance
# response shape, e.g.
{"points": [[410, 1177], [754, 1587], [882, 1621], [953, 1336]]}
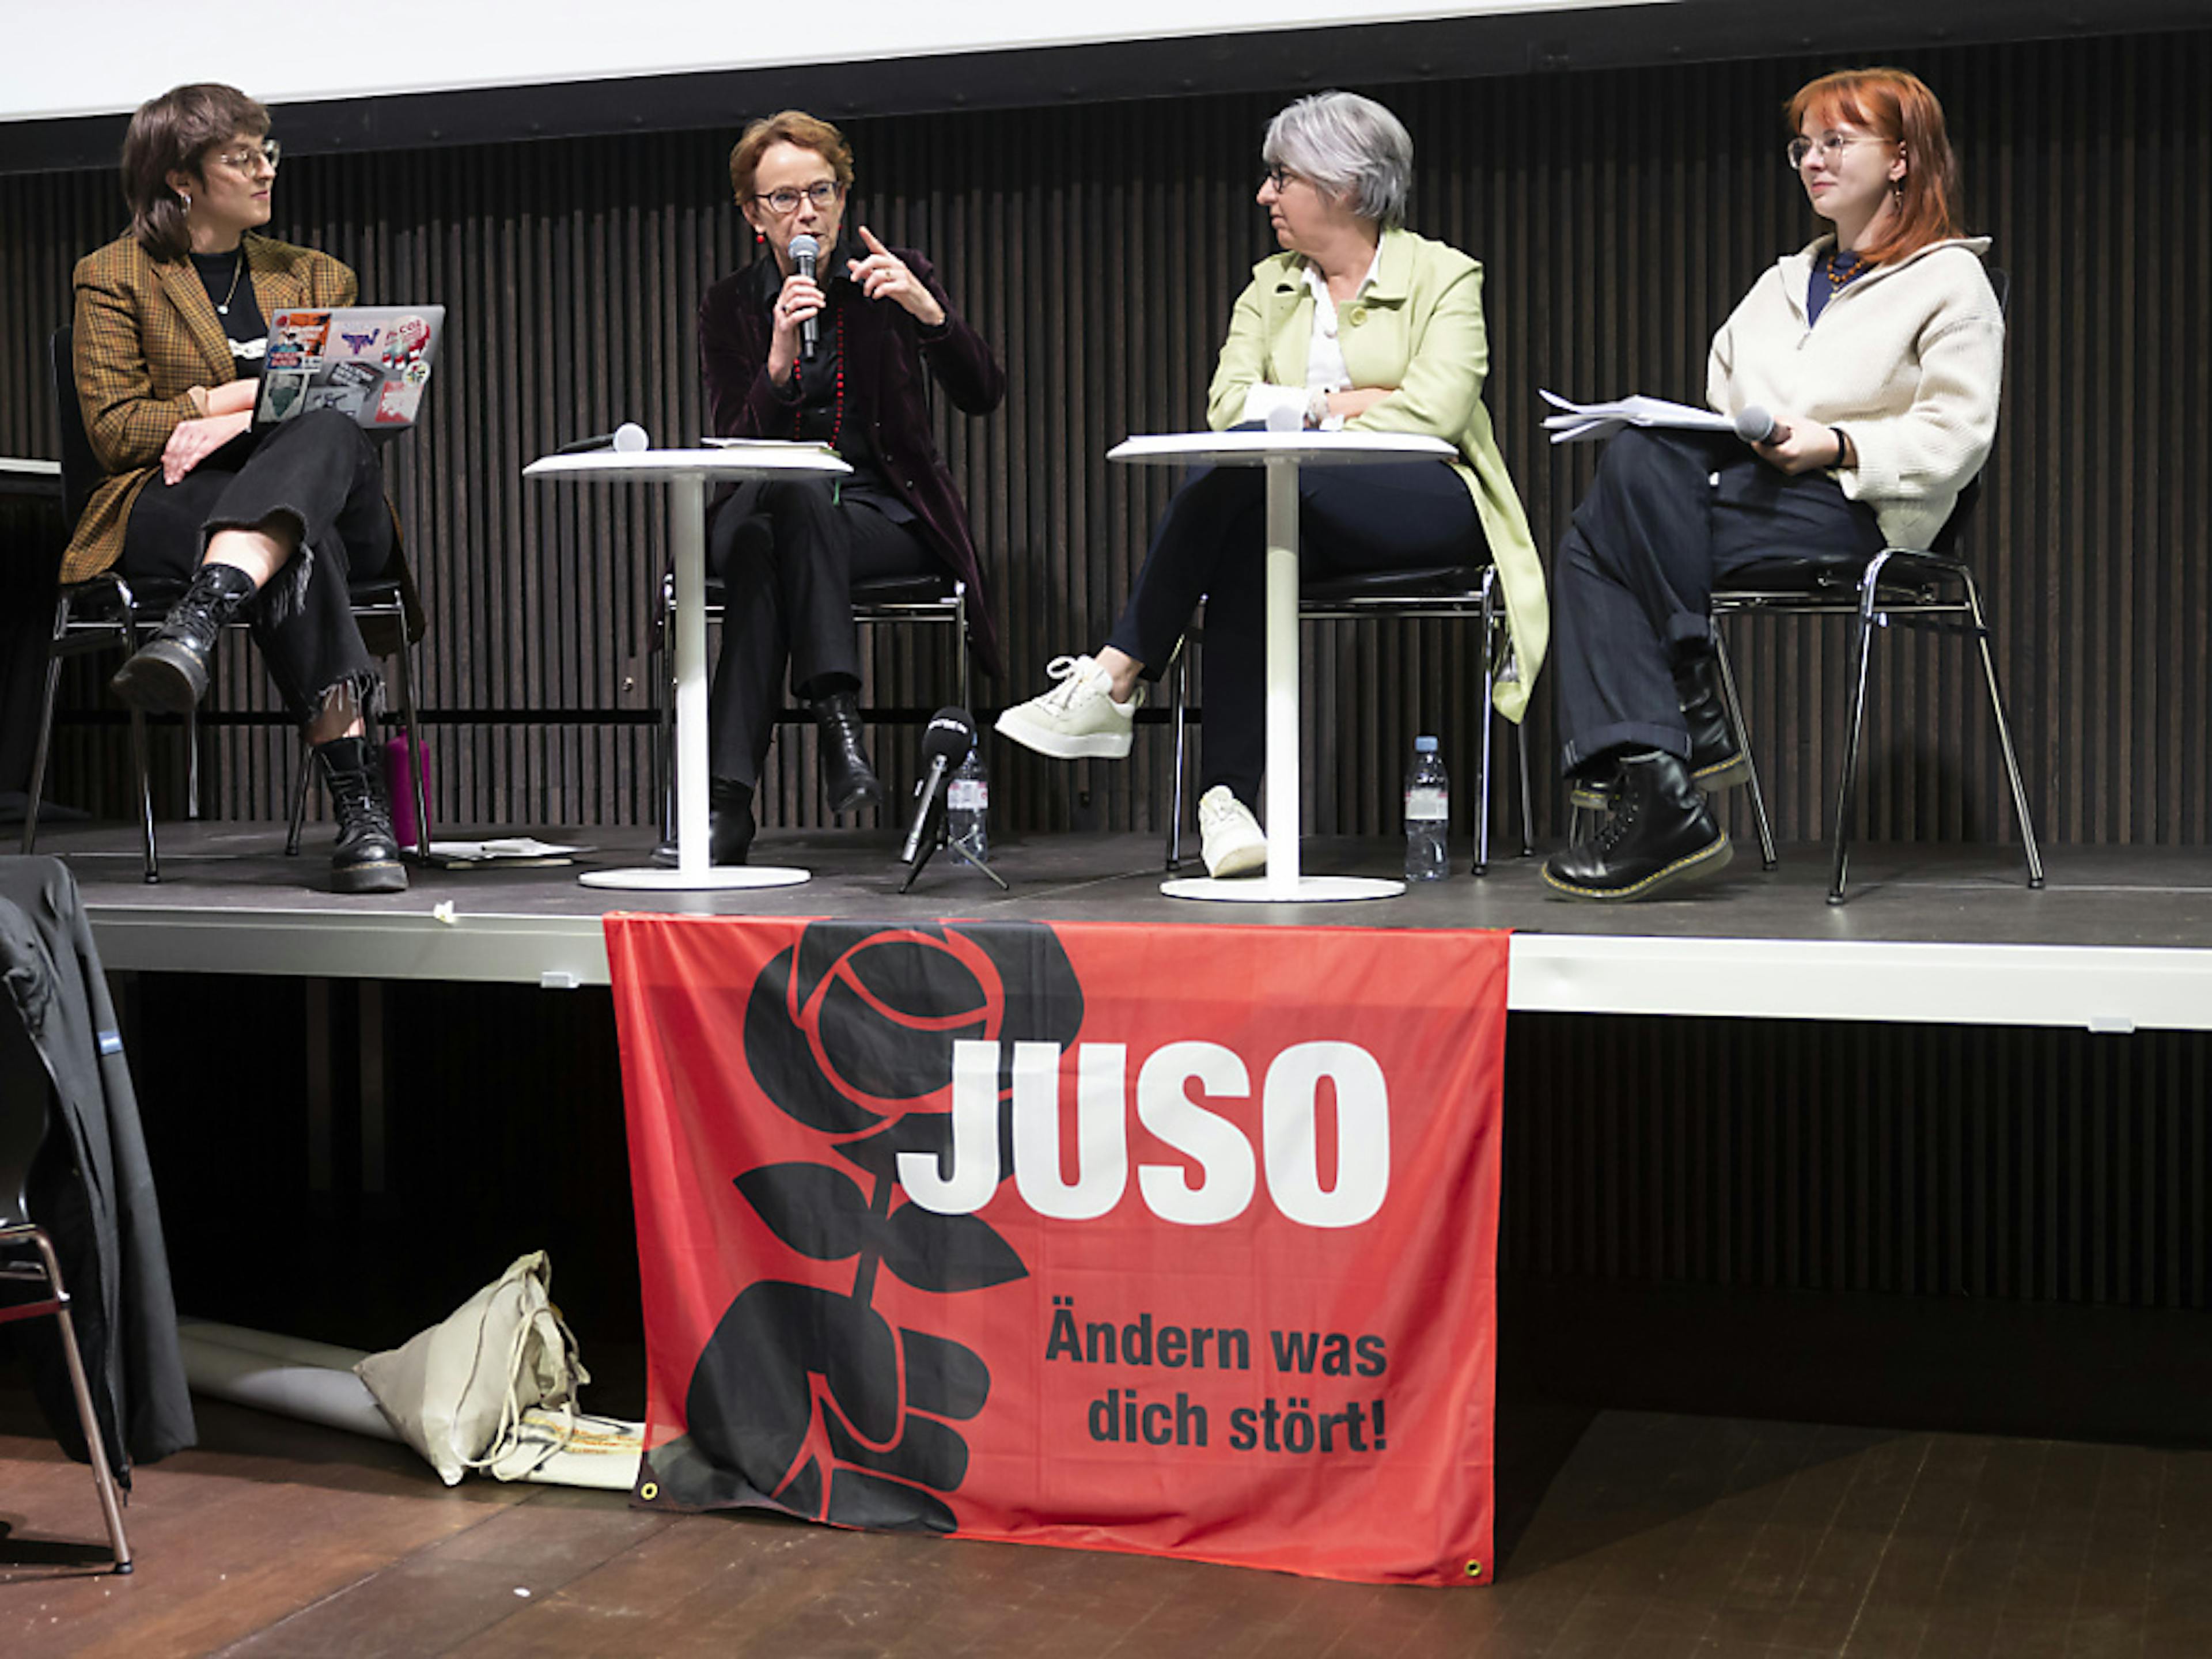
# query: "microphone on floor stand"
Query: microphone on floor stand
{"points": [[944, 743]]}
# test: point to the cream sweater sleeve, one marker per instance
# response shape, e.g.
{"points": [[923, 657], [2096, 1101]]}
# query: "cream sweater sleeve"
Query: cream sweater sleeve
{"points": [[1943, 436]]}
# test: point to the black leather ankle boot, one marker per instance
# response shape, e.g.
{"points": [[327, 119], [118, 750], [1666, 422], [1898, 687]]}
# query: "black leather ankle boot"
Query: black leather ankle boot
{"points": [[367, 857], [1659, 833], [847, 780], [1717, 758], [169, 675], [729, 821]]}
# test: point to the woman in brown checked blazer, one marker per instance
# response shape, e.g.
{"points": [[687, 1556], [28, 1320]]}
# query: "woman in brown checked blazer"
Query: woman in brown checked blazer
{"points": [[263, 526]]}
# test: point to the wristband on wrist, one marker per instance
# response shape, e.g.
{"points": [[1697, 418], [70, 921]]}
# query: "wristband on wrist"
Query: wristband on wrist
{"points": [[1844, 456]]}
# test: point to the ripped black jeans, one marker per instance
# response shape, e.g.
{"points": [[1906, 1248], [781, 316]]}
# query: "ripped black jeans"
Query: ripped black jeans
{"points": [[322, 470]]}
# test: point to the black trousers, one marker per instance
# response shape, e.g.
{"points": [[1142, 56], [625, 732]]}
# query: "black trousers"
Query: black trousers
{"points": [[787, 551], [1211, 543], [321, 473], [1670, 513]]}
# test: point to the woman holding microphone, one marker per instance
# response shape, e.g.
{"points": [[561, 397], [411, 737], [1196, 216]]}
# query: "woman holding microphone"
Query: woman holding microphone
{"points": [[788, 551], [1878, 350]]}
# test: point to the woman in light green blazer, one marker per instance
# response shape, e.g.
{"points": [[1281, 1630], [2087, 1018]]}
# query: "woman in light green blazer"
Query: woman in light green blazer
{"points": [[1357, 325]]}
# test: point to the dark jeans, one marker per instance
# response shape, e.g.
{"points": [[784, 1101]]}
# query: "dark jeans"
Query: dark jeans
{"points": [[787, 552], [1211, 542], [320, 474], [1669, 514]]}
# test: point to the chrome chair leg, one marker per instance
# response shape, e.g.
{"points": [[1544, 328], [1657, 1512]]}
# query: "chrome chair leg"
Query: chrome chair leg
{"points": [[1179, 721], [57, 1302], [1527, 793], [1487, 633], [402, 670], [1733, 702], [1869, 584], [145, 796], [300, 798], [2004, 731], [192, 765], [45, 726]]}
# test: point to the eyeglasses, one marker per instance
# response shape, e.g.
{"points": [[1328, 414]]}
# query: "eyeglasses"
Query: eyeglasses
{"points": [[242, 160], [1832, 146], [1280, 178], [823, 192]]}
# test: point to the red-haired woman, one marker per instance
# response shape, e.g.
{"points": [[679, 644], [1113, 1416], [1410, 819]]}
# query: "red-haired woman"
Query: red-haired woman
{"points": [[1879, 349]]}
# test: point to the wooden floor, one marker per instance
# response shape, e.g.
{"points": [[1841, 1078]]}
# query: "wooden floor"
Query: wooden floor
{"points": [[1623, 1532]]}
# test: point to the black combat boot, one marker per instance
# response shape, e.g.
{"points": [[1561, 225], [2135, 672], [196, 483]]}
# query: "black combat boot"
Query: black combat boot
{"points": [[1659, 832], [729, 821], [367, 857], [1716, 759], [169, 674], [847, 780]]}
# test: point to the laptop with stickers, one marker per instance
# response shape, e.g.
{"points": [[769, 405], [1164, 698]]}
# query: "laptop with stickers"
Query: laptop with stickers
{"points": [[369, 362]]}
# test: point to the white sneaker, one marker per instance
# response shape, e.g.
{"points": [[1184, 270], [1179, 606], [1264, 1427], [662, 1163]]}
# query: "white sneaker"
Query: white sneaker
{"points": [[1077, 718], [1229, 836]]}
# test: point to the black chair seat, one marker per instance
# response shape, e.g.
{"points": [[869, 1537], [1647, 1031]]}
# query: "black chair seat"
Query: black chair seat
{"points": [[1457, 581], [930, 589], [1825, 576]]}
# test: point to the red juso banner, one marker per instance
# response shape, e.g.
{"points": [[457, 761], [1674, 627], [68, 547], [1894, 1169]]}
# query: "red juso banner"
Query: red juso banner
{"points": [[1170, 1240]]}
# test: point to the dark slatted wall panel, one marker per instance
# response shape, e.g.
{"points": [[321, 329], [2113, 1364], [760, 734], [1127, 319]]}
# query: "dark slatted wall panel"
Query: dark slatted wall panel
{"points": [[2051, 1166], [1620, 216]]}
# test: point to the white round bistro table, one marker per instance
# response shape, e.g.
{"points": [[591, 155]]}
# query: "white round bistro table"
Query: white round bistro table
{"points": [[687, 473], [1282, 453]]}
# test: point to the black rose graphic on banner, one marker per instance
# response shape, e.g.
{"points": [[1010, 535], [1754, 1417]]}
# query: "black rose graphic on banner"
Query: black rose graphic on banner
{"points": [[809, 1400]]}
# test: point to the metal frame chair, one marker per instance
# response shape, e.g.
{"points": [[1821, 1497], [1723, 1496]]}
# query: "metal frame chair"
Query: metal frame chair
{"points": [[25, 1096], [1452, 594], [1922, 589], [929, 601], [107, 612]]}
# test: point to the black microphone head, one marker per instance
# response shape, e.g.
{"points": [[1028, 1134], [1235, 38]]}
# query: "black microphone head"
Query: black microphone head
{"points": [[804, 250], [1754, 424], [950, 735]]}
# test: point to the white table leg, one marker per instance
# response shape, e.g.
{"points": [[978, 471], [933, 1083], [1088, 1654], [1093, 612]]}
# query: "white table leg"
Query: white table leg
{"points": [[695, 870], [1282, 883]]}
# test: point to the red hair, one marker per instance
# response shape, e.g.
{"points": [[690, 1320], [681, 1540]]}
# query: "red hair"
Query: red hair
{"points": [[1895, 105]]}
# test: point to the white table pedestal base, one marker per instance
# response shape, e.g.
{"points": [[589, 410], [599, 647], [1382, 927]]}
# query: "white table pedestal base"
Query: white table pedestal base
{"points": [[716, 877], [1301, 890]]}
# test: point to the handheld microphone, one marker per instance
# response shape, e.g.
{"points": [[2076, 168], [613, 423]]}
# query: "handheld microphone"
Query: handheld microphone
{"points": [[944, 743], [628, 439], [1755, 426], [804, 250]]}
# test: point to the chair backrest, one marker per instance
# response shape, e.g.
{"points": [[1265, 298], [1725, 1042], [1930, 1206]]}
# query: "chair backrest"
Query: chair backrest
{"points": [[80, 466], [25, 1090]]}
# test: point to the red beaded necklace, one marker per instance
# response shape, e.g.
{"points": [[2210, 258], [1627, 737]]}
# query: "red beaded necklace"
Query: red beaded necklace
{"points": [[837, 405]]}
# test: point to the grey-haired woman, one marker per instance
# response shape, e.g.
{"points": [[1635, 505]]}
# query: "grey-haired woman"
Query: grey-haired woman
{"points": [[1357, 324]]}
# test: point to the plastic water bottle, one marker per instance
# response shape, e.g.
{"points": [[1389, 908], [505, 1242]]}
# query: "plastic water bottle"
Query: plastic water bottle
{"points": [[1428, 814], [967, 806]]}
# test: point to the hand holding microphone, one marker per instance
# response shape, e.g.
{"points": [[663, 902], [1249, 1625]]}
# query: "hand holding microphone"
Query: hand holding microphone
{"points": [[1795, 447], [804, 250]]}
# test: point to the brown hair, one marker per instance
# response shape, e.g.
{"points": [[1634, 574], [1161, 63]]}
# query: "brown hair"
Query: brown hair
{"points": [[1895, 105], [792, 127], [171, 133]]}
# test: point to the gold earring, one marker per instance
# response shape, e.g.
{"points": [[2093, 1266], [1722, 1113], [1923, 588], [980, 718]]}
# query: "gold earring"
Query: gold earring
{"points": [[186, 196]]}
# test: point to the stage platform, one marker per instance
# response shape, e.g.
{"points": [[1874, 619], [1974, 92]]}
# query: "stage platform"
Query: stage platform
{"points": [[2120, 940]]}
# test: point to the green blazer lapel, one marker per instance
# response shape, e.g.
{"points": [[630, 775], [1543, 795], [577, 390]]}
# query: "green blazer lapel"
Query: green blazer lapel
{"points": [[1290, 326], [181, 285]]}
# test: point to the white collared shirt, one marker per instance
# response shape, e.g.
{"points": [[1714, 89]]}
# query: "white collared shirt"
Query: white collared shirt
{"points": [[1325, 366]]}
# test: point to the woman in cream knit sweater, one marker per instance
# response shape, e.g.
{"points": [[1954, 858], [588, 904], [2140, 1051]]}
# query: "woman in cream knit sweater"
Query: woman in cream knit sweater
{"points": [[1878, 351]]}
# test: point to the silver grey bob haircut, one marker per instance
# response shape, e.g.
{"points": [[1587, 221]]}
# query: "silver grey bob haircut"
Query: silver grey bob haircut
{"points": [[1350, 145]]}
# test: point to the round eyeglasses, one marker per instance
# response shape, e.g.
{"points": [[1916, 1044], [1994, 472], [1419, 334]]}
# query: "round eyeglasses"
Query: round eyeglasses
{"points": [[245, 161], [824, 193], [1832, 146]]}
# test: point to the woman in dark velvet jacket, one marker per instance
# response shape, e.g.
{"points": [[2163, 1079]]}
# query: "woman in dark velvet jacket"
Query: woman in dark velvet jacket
{"points": [[788, 551]]}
